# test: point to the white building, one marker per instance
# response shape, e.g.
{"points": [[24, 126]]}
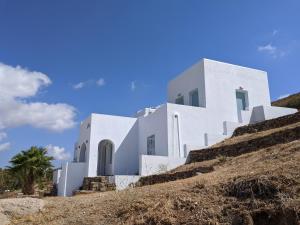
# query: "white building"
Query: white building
{"points": [[205, 104]]}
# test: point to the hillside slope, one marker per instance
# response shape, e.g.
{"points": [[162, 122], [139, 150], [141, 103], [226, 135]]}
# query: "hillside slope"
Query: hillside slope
{"points": [[292, 101], [261, 186]]}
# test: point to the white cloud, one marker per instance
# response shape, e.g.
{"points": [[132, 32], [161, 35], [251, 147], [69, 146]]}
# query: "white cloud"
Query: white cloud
{"points": [[58, 153], [17, 82], [17, 85], [79, 85], [283, 96], [132, 85], [4, 146], [3, 135], [271, 50], [100, 82]]}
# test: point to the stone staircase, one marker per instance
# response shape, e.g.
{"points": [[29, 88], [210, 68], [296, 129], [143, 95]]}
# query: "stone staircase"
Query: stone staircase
{"points": [[96, 184]]}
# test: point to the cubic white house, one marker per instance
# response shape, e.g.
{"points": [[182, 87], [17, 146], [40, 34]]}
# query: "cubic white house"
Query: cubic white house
{"points": [[205, 104]]}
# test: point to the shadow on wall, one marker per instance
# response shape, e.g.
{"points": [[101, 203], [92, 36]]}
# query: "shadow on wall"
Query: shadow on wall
{"points": [[126, 157]]}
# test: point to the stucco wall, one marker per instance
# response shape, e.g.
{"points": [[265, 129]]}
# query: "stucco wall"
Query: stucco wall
{"points": [[195, 122], [56, 176], [71, 178], [187, 81], [61, 186], [223, 79], [122, 131], [75, 175], [154, 124], [123, 181], [200, 126], [84, 137], [271, 112], [152, 164]]}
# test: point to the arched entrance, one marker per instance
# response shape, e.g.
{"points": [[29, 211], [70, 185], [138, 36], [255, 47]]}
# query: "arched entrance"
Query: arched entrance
{"points": [[82, 153], [105, 158]]}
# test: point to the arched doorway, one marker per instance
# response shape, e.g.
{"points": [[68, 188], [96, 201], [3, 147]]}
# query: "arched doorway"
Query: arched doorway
{"points": [[105, 158], [82, 153]]}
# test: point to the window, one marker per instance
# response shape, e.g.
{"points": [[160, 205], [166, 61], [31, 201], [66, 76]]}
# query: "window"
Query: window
{"points": [[241, 99], [82, 153], [179, 100], [194, 98], [151, 145]]}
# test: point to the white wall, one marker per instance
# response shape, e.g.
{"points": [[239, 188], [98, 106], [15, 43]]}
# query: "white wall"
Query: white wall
{"points": [[153, 164], [271, 112], [154, 124], [71, 178], [76, 173], [223, 79], [123, 181], [61, 187], [194, 123], [218, 82], [123, 132], [56, 176], [84, 137], [188, 81]]}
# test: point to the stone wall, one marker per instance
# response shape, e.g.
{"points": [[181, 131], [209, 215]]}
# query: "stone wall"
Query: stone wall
{"points": [[239, 148], [267, 125]]}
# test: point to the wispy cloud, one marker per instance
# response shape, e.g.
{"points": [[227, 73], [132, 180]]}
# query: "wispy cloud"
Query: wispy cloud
{"points": [[82, 84], [133, 85], [4, 146], [79, 85], [271, 50], [283, 96]]}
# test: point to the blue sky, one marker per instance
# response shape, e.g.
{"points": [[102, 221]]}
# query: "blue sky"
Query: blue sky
{"points": [[117, 56]]}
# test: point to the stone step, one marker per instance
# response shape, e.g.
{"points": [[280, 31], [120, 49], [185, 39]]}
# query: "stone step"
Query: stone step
{"points": [[83, 192], [100, 183]]}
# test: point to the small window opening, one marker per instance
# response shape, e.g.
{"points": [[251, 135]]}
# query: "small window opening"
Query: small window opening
{"points": [[179, 100], [151, 145], [194, 98]]}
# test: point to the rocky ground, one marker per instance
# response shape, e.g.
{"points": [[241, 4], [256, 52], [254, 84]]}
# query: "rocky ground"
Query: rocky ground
{"points": [[18, 207]]}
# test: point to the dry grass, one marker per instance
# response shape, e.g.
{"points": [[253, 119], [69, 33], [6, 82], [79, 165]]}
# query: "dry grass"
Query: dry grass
{"points": [[247, 189], [292, 101], [252, 136]]}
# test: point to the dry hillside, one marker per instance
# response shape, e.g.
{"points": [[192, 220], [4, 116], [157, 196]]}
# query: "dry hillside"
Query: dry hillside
{"points": [[292, 101], [251, 178]]}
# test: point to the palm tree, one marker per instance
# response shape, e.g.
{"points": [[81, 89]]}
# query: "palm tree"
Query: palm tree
{"points": [[29, 166]]}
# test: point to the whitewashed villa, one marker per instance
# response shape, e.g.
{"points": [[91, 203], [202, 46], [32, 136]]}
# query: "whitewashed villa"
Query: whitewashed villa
{"points": [[205, 104]]}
